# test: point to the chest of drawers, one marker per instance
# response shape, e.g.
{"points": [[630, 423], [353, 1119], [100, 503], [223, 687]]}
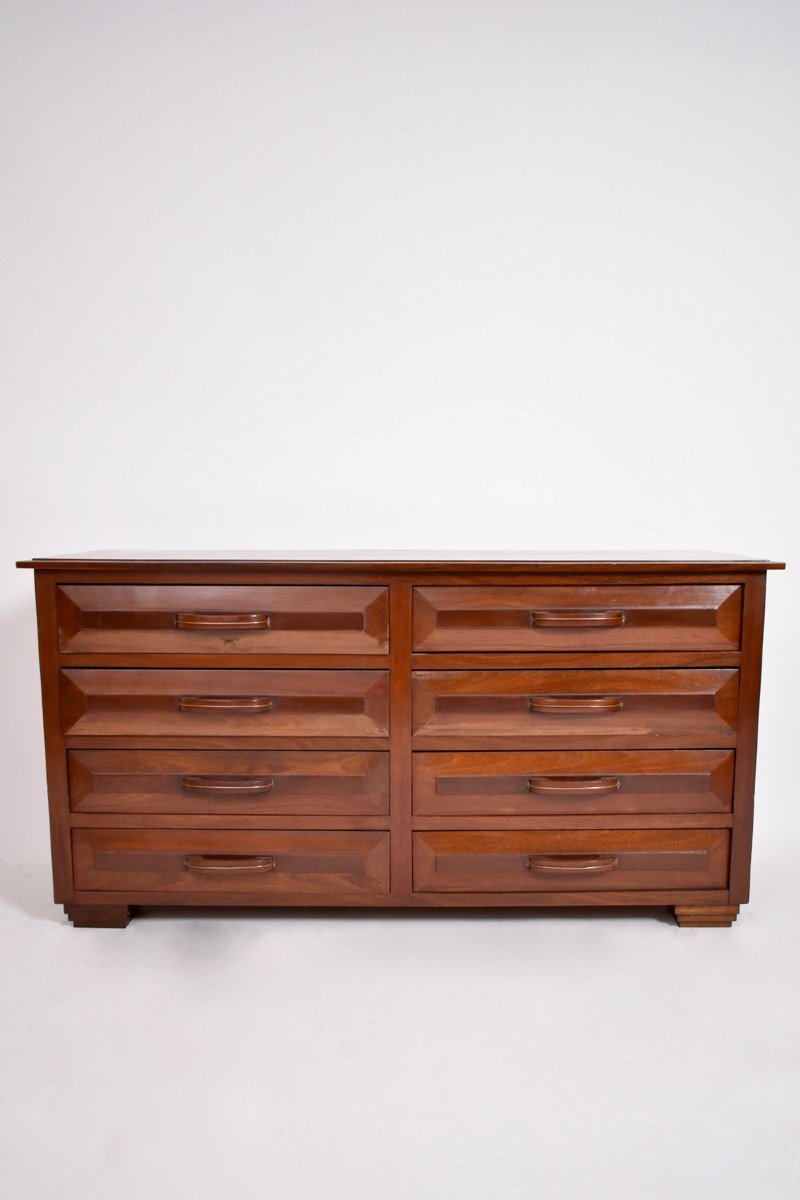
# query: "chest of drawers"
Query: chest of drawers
{"points": [[400, 731]]}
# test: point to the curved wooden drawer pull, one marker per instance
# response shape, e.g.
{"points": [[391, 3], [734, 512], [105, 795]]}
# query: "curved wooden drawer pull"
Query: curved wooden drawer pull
{"points": [[222, 620], [573, 785], [229, 864], [580, 618], [228, 785], [575, 704], [252, 704], [572, 862]]}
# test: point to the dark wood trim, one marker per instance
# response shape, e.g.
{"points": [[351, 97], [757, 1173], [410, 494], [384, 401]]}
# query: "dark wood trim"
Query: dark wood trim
{"points": [[416, 567], [565, 659], [418, 900], [55, 753], [228, 662], [99, 916], [206, 821], [745, 775], [600, 821], [705, 916], [78, 742]]}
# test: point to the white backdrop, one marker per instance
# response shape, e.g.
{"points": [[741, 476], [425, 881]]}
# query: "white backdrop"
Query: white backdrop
{"points": [[411, 273]]}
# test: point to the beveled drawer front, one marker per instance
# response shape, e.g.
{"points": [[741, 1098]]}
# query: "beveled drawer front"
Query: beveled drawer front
{"points": [[155, 703], [258, 861], [591, 860], [270, 782], [670, 708], [224, 619], [572, 782], [670, 617]]}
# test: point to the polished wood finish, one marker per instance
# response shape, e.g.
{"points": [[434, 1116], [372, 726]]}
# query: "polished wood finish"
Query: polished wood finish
{"points": [[573, 782], [396, 732], [191, 620], [544, 861], [100, 916], [227, 782], [625, 709], [703, 916], [693, 617], [179, 860], [224, 704]]}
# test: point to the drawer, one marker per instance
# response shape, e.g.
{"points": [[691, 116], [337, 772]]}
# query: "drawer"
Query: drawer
{"points": [[571, 861], [573, 782], [131, 703], [679, 617], [256, 782], [670, 708], [185, 619], [274, 862]]}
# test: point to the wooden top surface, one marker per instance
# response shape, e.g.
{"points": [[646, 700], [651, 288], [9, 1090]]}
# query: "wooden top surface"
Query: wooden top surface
{"points": [[422, 561]]}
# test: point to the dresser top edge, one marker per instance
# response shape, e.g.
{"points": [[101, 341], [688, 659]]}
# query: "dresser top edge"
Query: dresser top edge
{"points": [[417, 562]]}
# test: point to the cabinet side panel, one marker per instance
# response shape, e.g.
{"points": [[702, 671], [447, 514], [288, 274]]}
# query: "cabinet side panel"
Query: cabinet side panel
{"points": [[744, 783], [55, 754]]}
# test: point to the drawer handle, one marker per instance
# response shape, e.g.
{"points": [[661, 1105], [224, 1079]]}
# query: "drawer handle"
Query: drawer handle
{"points": [[228, 703], [575, 704], [229, 864], [573, 784], [572, 862], [565, 618], [228, 785], [222, 620]]}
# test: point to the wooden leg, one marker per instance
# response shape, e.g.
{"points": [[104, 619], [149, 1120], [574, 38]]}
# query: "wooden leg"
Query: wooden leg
{"points": [[693, 916], [99, 916]]}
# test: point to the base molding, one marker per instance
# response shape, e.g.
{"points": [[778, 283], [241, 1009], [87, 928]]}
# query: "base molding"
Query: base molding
{"points": [[705, 916], [99, 916]]}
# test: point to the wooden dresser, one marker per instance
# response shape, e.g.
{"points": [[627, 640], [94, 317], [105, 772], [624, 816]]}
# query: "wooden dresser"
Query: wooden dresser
{"points": [[398, 731]]}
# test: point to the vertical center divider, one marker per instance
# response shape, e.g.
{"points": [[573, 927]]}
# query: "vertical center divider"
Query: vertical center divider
{"points": [[400, 598]]}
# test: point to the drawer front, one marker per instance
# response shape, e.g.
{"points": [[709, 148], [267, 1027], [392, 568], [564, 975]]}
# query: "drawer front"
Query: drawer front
{"points": [[585, 861], [256, 782], [274, 862], [572, 782], [131, 703], [185, 619], [679, 617], [577, 708]]}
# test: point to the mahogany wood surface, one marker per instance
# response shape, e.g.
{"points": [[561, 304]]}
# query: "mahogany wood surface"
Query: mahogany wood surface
{"points": [[99, 916], [573, 782], [691, 617], [399, 731], [131, 703], [576, 708], [303, 863], [228, 782], [546, 861], [187, 619], [705, 916]]}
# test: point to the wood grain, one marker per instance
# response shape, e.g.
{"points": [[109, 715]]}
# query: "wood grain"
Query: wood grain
{"points": [[228, 782], [189, 619], [694, 617], [137, 703], [307, 862], [565, 783], [467, 709], [550, 861]]}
